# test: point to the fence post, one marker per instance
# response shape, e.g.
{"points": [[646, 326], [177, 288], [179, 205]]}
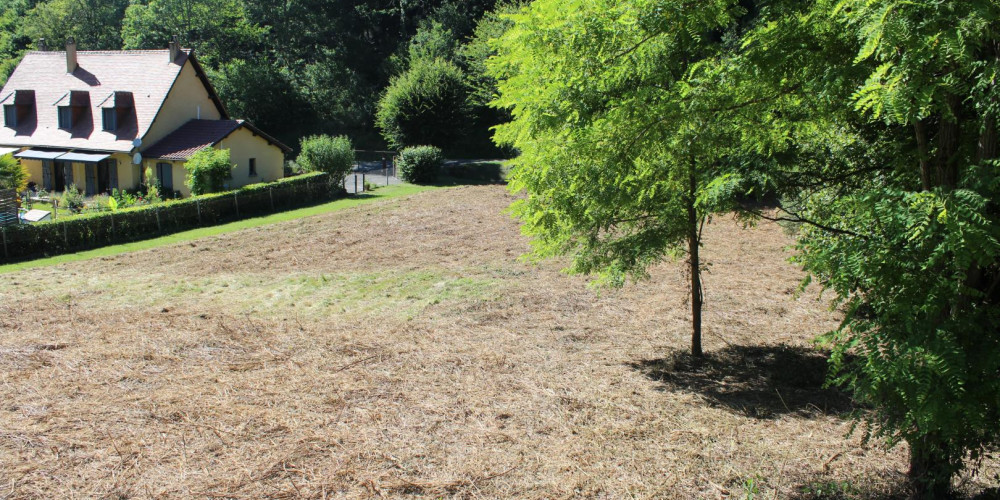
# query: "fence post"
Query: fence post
{"points": [[65, 236], [113, 232], [236, 200], [355, 183], [159, 227], [362, 182], [270, 192], [197, 204], [4, 230]]}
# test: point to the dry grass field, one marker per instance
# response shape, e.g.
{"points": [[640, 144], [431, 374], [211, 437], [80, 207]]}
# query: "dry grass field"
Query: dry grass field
{"points": [[401, 350]]}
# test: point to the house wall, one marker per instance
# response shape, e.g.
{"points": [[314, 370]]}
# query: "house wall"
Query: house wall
{"points": [[243, 145], [178, 171], [127, 178], [34, 171], [181, 105]]}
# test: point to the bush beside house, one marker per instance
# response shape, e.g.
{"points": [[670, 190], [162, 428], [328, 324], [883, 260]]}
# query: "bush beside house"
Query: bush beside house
{"points": [[332, 155], [207, 171]]}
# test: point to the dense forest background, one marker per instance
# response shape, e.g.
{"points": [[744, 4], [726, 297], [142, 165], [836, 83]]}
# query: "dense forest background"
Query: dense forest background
{"points": [[293, 67]]}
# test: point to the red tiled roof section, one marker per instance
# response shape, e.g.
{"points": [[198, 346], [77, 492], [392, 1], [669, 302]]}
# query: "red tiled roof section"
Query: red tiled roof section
{"points": [[148, 74], [192, 137]]}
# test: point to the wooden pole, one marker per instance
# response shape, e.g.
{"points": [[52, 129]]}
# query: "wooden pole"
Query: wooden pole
{"points": [[159, 228], [4, 230], [197, 203], [270, 192], [236, 200]]}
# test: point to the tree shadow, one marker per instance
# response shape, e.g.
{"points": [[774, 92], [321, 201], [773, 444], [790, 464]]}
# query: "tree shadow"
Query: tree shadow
{"points": [[466, 173], [757, 381]]}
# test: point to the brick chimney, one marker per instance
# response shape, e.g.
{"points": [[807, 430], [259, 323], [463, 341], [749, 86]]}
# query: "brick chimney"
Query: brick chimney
{"points": [[71, 64], [175, 48]]}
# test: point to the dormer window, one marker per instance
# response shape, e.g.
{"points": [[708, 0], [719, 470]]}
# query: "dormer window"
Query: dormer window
{"points": [[18, 107], [115, 110], [109, 119], [65, 117], [10, 115], [73, 108]]}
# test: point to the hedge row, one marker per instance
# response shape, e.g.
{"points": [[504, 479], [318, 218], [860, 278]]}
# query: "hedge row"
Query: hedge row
{"points": [[31, 241]]}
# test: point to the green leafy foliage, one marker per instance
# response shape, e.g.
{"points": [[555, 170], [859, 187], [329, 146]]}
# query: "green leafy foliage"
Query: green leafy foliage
{"points": [[425, 105], [420, 164], [207, 171], [621, 156], [13, 175], [888, 158], [219, 29], [333, 155], [72, 199]]}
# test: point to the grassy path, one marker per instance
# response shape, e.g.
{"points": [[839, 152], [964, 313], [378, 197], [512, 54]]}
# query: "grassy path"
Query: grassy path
{"points": [[381, 194]]}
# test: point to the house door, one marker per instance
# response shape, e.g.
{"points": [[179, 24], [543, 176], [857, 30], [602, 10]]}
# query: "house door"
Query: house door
{"points": [[104, 176], [112, 173], [165, 173], [63, 175]]}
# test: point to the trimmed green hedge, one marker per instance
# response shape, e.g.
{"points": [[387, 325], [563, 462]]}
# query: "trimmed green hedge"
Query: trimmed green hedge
{"points": [[31, 241]]}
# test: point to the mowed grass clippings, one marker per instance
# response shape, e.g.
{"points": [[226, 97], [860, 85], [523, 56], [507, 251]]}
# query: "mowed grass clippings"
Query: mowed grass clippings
{"points": [[402, 349]]}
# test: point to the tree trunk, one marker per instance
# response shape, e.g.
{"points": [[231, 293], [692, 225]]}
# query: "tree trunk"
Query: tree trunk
{"points": [[930, 473], [693, 243], [948, 143], [920, 130]]}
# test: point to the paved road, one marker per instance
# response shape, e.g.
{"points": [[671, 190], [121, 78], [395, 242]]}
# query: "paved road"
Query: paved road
{"points": [[376, 177]]}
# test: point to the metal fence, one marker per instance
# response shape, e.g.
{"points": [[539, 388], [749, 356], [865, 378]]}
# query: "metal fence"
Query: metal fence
{"points": [[8, 207]]}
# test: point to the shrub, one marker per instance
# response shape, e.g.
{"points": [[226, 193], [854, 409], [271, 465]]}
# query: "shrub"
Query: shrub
{"points": [[420, 164], [207, 171], [322, 153], [72, 199], [94, 229], [152, 187], [13, 175], [425, 105]]}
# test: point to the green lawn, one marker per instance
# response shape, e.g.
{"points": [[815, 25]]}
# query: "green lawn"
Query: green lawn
{"points": [[382, 193], [62, 214]]}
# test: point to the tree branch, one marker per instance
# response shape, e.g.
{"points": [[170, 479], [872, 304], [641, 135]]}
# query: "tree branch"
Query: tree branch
{"points": [[801, 220]]}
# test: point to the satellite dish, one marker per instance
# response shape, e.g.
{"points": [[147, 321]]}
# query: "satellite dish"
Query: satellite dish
{"points": [[137, 159], [137, 142]]}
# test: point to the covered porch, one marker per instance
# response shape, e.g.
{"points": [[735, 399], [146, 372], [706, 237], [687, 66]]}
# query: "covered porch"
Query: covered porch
{"points": [[92, 172]]}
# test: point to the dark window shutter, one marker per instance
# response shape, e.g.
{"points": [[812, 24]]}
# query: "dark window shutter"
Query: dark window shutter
{"points": [[113, 173], [47, 175]]}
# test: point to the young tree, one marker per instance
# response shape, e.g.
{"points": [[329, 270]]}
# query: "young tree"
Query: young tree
{"points": [[13, 175], [621, 157]]}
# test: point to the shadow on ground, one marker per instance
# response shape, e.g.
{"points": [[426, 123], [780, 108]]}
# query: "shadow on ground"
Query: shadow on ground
{"points": [[463, 173], [756, 381]]}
